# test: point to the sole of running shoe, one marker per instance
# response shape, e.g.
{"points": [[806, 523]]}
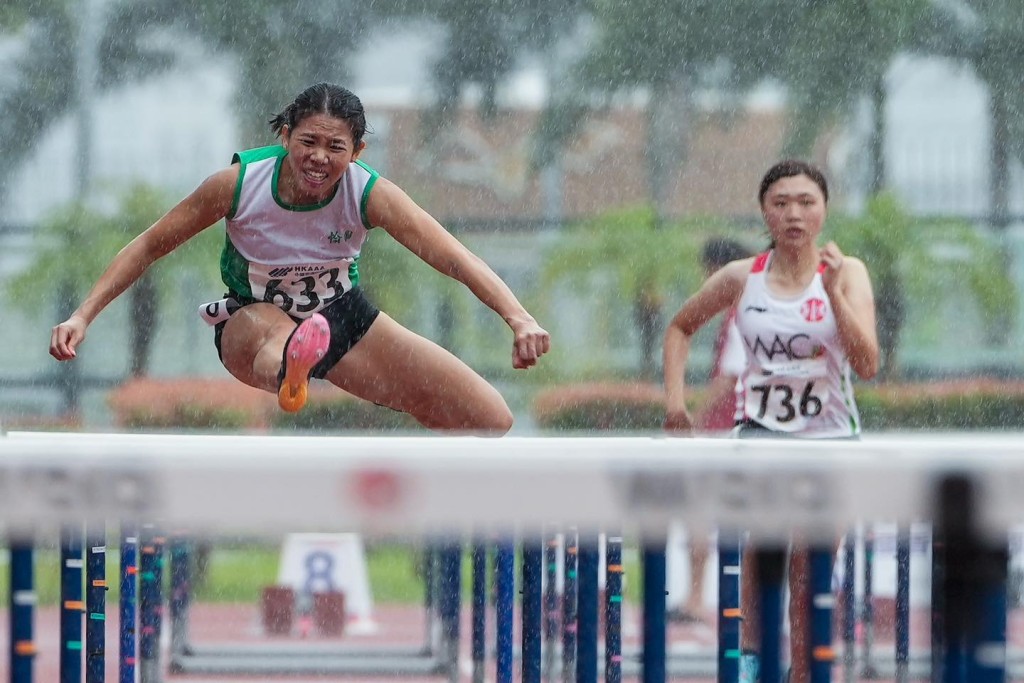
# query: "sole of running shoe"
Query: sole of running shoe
{"points": [[305, 348]]}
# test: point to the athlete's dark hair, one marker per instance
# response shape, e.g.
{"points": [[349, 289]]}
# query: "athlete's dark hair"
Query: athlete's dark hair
{"points": [[323, 98], [719, 251], [788, 169]]}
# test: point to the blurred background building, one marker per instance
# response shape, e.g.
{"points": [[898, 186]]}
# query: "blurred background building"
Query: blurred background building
{"points": [[535, 133]]}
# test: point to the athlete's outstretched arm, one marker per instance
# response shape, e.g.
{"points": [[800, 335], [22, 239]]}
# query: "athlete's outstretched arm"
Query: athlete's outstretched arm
{"points": [[205, 206], [848, 286], [390, 208], [720, 291]]}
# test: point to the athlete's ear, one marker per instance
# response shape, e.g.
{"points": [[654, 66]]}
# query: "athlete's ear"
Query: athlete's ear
{"points": [[359, 149], [286, 134]]}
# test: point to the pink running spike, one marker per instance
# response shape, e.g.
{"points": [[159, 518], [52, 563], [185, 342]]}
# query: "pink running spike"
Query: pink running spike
{"points": [[307, 345]]}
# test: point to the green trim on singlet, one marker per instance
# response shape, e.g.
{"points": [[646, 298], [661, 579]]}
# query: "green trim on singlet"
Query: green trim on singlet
{"points": [[854, 427], [295, 207], [365, 199], [245, 158], [353, 272], [234, 269]]}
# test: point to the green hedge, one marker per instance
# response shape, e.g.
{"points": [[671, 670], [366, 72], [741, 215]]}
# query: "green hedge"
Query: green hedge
{"points": [[198, 403], [947, 406], [188, 416], [966, 405], [343, 414]]}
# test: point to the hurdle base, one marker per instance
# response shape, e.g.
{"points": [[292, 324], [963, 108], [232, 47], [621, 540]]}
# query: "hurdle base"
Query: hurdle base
{"points": [[307, 665]]}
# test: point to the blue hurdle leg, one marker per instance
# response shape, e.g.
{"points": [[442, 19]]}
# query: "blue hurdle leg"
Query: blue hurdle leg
{"points": [[551, 611], [986, 646], [902, 604], [729, 612], [821, 609], [181, 592], [849, 616], [478, 648], [569, 606], [95, 602], [586, 616], [72, 604], [613, 609], [430, 596], [127, 602], [22, 609], [867, 616], [771, 566], [954, 524], [449, 598], [504, 605], [654, 612], [150, 598], [532, 604]]}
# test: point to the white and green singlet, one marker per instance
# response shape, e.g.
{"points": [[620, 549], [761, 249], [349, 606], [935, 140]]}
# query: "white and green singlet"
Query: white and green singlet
{"points": [[299, 258]]}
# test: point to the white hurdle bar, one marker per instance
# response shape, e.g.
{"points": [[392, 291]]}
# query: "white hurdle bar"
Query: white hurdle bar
{"points": [[398, 486], [455, 486]]}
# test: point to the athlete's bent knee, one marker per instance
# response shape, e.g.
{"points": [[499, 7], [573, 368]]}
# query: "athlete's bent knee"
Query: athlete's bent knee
{"points": [[502, 422]]}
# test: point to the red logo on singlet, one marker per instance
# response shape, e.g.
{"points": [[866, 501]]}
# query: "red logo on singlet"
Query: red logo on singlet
{"points": [[813, 310]]}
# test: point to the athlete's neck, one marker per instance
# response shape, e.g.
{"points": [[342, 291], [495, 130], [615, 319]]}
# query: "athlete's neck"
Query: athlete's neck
{"points": [[795, 266], [290, 193]]}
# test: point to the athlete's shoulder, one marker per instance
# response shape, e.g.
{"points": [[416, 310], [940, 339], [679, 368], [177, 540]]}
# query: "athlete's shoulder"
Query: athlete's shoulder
{"points": [[855, 262], [225, 179], [737, 271], [366, 168], [248, 156], [855, 269]]}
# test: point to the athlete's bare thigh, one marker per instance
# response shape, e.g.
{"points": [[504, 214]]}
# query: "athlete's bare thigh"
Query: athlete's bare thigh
{"points": [[252, 344], [397, 368]]}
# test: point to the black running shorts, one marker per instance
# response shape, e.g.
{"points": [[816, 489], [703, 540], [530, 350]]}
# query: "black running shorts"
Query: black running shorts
{"points": [[349, 318]]}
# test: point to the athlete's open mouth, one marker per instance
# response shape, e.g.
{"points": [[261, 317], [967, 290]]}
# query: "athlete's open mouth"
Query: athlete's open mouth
{"points": [[315, 177]]}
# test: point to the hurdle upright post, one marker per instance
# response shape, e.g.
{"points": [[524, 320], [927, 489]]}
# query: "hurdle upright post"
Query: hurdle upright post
{"points": [[771, 573], [729, 610], [450, 583], [552, 546], [129, 541], [867, 615], [613, 568], [821, 610], [587, 613], [181, 593], [95, 601], [504, 608], [532, 607], [149, 605], [72, 604], [849, 615], [654, 643], [22, 609], [902, 603], [478, 648], [570, 619]]}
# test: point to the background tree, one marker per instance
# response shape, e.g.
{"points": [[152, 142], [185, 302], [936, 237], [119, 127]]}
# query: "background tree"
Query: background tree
{"points": [[934, 259], [630, 256], [40, 87], [483, 43], [664, 52], [83, 241], [841, 56], [988, 37]]}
